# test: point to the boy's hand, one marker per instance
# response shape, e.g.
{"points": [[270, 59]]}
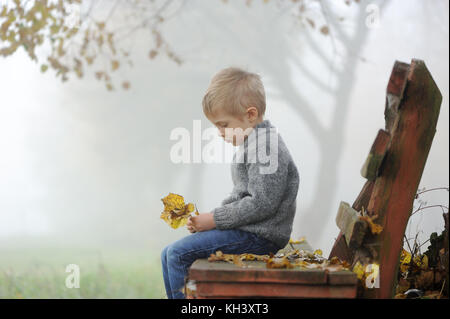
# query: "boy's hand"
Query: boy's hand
{"points": [[201, 222]]}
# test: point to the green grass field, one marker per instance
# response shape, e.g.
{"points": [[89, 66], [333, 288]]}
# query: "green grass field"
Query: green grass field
{"points": [[113, 274]]}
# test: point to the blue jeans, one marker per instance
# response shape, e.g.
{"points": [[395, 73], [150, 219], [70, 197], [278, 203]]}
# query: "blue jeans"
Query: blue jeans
{"points": [[178, 257]]}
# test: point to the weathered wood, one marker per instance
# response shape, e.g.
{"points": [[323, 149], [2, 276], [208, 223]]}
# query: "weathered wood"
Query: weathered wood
{"points": [[445, 259], [394, 93], [203, 270], [394, 190], [277, 290], [411, 112], [222, 279], [364, 196], [372, 165], [340, 248], [353, 228], [341, 278]]}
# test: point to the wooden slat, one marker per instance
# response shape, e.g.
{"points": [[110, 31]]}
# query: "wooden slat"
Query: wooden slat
{"points": [[353, 228], [279, 290], [340, 248], [203, 270], [372, 165], [398, 79], [394, 92], [337, 278]]}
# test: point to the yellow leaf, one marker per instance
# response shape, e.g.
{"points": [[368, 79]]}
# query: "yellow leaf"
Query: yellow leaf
{"points": [[115, 65], [231, 258], [318, 252], [4, 11], [165, 216], [424, 262], [358, 269], [291, 259], [178, 222], [334, 260], [173, 201], [405, 257], [374, 228], [275, 263], [189, 208], [421, 262], [404, 268], [297, 241], [176, 213]]}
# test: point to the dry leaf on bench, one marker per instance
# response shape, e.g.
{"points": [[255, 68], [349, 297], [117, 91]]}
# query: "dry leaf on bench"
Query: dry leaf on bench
{"points": [[374, 228]]}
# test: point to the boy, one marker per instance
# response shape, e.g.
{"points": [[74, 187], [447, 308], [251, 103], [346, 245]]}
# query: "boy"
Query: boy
{"points": [[257, 216]]}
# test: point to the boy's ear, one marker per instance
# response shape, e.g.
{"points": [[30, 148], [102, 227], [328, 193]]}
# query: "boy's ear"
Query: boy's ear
{"points": [[252, 113]]}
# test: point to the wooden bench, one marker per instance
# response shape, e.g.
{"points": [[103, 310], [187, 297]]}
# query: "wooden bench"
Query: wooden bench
{"points": [[393, 170], [226, 280]]}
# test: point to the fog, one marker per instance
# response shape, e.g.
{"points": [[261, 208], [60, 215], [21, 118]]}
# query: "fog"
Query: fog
{"points": [[82, 166]]}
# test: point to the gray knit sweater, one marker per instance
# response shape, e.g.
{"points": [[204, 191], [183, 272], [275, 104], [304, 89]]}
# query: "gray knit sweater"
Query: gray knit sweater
{"points": [[266, 180]]}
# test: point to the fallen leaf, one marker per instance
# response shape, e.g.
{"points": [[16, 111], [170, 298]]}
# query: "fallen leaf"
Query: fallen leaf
{"points": [[374, 228], [236, 259], [298, 241], [405, 259], [275, 262], [358, 269]]}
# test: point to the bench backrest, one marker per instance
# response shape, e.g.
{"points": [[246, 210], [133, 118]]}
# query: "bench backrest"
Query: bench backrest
{"points": [[393, 171]]}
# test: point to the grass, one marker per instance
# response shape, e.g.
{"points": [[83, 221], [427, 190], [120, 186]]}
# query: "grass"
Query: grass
{"points": [[115, 274]]}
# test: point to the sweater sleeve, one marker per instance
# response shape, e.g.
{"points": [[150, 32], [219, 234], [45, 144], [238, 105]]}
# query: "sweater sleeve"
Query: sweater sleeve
{"points": [[265, 192], [232, 197], [229, 199]]}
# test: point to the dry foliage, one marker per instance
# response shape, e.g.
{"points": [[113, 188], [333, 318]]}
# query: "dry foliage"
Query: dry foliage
{"points": [[82, 40], [425, 272], [293, 259], [176, 212]]}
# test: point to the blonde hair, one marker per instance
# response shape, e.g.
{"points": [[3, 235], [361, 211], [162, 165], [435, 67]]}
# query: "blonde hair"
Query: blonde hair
{"points": [[234, 90]]}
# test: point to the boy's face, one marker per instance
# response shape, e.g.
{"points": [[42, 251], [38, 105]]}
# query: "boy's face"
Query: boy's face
{"points": [[234, 129]]}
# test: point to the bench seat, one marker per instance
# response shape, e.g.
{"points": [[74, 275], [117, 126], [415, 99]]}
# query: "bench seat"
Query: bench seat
{"points": [[220, 279]]}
